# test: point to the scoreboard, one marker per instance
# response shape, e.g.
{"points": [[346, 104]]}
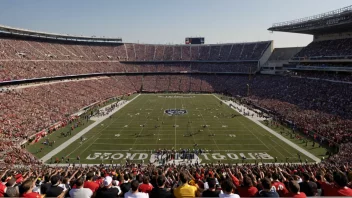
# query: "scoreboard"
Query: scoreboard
{"points": [[194, 40]]}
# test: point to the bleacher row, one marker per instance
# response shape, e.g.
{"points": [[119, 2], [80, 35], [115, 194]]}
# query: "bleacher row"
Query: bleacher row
{"points": [[26, 59], [292, 98], [36, 50], [334, 76], [216, 52], [327, 49], [18, 70]]}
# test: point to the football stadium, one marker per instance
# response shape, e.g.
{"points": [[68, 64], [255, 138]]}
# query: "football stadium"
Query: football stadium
{"points": [[88, 116]]}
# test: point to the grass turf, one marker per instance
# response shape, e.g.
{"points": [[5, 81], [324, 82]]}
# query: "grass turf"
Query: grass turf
{"points": [[316, 150], [115, 138], [56, 135]]}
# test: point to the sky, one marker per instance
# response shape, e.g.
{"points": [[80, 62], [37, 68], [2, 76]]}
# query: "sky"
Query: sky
{"points": [[167, 21]]}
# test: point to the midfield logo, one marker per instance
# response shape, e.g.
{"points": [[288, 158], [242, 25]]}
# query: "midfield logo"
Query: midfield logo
{"points": [[172, 112]]}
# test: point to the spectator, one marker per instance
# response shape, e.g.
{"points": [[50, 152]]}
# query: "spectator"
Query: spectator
{"points": [[308, 187], [267, 189], [247, 189], [134, 193], [27, 187], [341, 182], [11, 189], [126, 184], [184, 189], [294, 188], [279, 186], [107, 191], [211, 192], [45, 185], [227, 189], [145, 187], [160, 191], [79, 191], [115, 185], [89, 183], [54, 189]]}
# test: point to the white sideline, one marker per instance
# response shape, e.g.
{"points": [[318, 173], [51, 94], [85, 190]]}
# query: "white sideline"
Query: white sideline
{"points": [[293, 145], [84, 131]]}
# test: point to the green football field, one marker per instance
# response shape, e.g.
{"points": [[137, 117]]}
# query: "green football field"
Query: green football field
{"points": [[143, 126]]}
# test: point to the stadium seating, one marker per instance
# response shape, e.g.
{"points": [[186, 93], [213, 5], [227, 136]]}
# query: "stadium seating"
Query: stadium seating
{"points": [[341, 76], [245, 181], [327, 49], [27, 109], [266, 91], [219, 52]]}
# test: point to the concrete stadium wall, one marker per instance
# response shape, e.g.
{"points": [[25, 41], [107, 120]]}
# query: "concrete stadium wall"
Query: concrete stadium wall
{"points": [[266, 54], [324, 37]]}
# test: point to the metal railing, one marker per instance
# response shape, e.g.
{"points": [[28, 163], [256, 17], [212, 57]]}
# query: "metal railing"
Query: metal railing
{"points": [[315, 17]]}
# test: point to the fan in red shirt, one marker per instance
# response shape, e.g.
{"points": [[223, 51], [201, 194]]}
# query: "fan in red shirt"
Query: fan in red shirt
{"points": [[279, 186], [328, 189], [27, 188], [341, 182], [247, 189], [294, 188], [146, 187], [89, 183], [235, 180], [338, 188], [2, 189]]}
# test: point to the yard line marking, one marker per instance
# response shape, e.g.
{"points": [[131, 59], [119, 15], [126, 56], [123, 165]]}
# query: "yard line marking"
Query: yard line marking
{"points": [[287, 141], [151, 138], [272, 146], [79, 134], [282, 147], [258, 151], [251, 132], [162, 120], [181, 144], [206, 124], [175, 127], [99, 133], [142, 127], [189, 123]]}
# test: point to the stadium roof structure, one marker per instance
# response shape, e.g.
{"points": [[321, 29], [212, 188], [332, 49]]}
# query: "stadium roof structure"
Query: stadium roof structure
{"points": [[37, 34], [335, 21]]}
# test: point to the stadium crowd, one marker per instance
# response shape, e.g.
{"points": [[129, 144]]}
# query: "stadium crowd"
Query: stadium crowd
{"points": [[327, 49], [28, 109], [304, 102], [209, 180], [25, 59], [216, 52], [341, 76]]}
